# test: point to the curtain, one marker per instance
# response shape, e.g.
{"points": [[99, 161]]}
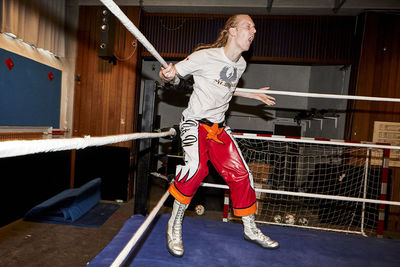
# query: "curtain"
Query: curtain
{"points": [[36, 22]]}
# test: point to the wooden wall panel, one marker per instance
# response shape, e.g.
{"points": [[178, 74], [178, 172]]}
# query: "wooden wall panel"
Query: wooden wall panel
{"points": [[106, 100], [379, 75], [106, 95]]}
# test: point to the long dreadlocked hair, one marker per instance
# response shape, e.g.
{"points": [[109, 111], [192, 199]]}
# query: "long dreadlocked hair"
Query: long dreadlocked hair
{"points": [[223, 35]]}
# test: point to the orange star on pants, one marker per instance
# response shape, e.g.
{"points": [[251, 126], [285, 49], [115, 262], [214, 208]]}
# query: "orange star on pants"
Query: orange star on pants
{"points": [[213, 132]]}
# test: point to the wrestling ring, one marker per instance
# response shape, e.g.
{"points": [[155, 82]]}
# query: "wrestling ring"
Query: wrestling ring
{"points": [[141, 241]]}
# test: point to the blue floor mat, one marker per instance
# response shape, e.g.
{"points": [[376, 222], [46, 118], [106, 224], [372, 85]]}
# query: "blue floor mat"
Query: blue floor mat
{"points": [[95, 217], [212, 243], [78, 206]]}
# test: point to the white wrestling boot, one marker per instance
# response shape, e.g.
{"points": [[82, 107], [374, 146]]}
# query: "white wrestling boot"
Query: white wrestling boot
{"points": [[253, 234], [174, 229]]}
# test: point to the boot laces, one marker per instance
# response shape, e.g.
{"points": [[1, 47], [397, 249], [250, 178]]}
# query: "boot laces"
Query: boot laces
{"points": [[257, 232], [177, 226]]}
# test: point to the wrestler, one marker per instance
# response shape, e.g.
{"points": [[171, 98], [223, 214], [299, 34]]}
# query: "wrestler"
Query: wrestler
{"points": [[216, 70]]}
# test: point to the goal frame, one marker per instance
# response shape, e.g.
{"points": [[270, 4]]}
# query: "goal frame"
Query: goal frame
{"points": [[386, 147]]}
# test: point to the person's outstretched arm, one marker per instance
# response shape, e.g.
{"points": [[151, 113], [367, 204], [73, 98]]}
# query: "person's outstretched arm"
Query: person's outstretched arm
{"points": [[269, 100]]}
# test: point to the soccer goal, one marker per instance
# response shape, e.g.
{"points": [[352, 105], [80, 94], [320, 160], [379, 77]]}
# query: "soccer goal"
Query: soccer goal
{"points": [[319, 183]]}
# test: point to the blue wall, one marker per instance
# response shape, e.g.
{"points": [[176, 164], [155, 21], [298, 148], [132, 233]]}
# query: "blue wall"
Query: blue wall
{"points": [[27, 96]]}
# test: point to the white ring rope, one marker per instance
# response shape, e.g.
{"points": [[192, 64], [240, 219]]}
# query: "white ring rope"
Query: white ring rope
{"points": [[25, 147], [112, 6], [298, 194], [139, 232], [315, 95], [332, 142]]}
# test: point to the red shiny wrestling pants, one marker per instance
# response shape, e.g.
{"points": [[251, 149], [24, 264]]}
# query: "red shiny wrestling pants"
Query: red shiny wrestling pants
{"points": [[201, 143]]}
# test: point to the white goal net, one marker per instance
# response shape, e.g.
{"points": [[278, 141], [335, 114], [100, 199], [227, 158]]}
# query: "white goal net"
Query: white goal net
{"points": [[319, 186]]}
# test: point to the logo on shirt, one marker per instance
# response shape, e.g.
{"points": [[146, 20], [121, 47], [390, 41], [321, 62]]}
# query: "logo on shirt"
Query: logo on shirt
{"points": [[227, 76]]}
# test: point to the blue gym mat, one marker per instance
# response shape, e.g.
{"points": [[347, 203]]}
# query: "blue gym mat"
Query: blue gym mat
{"points": [[213, 243], [78, 207]]}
